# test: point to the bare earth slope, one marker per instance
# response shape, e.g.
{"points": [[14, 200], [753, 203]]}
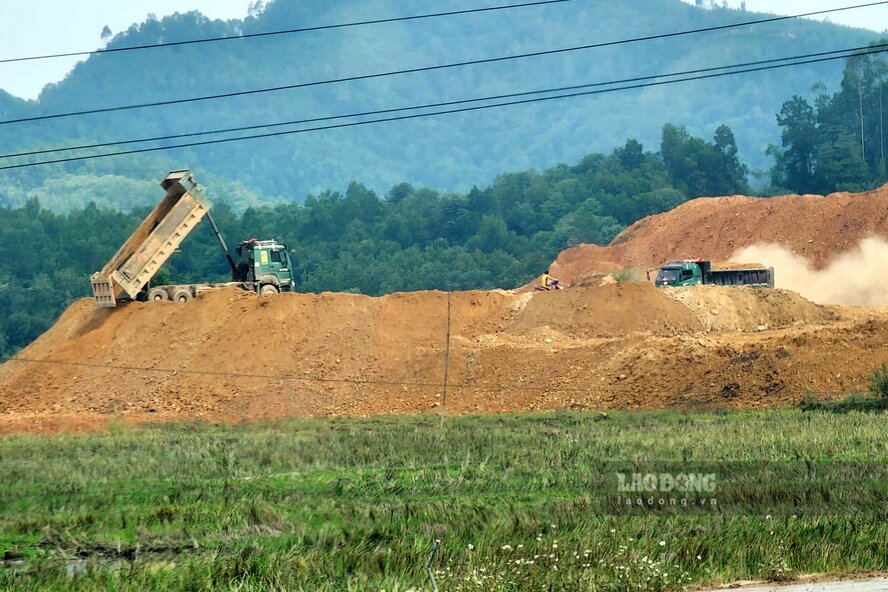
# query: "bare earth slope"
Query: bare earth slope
{"points": [[811, 226], [230, 356]]}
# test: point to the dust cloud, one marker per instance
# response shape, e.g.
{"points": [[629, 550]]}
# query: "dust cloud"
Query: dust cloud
{"points": [[858, 276]]}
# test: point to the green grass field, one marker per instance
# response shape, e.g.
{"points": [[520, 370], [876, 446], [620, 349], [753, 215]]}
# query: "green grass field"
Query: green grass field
{"points": [[516, 501]]}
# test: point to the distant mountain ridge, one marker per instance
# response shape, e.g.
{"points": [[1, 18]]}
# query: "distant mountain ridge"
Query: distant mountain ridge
{"points": [[451, 152]]}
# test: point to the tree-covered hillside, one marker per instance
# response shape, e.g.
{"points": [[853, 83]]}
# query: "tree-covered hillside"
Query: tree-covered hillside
{"points": [[451, 152], [839, 141]]}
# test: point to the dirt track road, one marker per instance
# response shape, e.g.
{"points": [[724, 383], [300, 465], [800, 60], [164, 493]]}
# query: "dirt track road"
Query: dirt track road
{"points": [[879, 584]]}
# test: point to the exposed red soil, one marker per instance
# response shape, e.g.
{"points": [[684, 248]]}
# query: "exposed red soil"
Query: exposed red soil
{"points": [[814, 227], [232, 356]]}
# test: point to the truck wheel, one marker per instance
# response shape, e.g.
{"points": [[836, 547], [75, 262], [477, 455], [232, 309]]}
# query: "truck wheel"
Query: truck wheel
{"points": [[157, 294], [182, 295], [268, 289]]}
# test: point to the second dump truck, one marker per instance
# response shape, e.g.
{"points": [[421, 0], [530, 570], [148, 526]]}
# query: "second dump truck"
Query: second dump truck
{"points": [[690, 272], [261, 266]]}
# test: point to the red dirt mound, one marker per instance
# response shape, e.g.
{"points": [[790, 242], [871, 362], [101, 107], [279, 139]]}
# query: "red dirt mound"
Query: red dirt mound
{"points": [[815, 227], [614, 309], [232, 356]]}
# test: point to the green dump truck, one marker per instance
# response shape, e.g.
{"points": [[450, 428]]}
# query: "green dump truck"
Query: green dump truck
{"points": [[690, 272], [261, 266]]}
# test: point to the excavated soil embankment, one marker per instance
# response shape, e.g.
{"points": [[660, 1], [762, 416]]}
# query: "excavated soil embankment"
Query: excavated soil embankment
{"points": [[813, 227], [232, 356]]}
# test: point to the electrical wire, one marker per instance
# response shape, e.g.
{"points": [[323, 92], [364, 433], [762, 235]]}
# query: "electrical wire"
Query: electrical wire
{"points": [[281, 32], [837, 52], [415, 70], [878, 49]]}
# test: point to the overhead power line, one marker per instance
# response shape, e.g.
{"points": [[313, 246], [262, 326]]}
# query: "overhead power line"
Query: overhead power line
{"points": [[422, 68], [282, 32], [876, 49], [354, 24], [838, 52]]}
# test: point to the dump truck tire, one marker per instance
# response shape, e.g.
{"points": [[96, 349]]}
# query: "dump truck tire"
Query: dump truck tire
{"points": [[157, 294], [182, 295], [268, 289]]}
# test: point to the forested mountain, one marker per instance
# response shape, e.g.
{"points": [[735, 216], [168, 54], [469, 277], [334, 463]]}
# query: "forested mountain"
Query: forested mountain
{"points": [[450, 152]]}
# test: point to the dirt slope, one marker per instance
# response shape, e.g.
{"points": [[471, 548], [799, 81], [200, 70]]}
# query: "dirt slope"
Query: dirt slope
{"points": [[230, 356], [815, 227]]}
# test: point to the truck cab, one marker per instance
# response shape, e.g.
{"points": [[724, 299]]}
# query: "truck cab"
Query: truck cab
{"points": [[265, 263], [679, 273]]}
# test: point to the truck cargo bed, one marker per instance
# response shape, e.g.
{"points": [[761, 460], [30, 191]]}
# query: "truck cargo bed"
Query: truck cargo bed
{"points": [[756, 278], [152, 243]]}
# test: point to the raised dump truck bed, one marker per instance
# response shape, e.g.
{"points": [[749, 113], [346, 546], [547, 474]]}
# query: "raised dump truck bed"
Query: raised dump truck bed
{"points": [[262, 266], [152, 243]]}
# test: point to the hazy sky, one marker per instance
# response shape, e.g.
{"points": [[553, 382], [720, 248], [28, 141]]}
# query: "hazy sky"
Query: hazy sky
{"points": [[35, 27], [875, 17]]}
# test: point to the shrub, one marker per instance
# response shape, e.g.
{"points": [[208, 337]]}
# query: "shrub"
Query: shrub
{"points": [[874, 401], [878, 386], [628, 275]]}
